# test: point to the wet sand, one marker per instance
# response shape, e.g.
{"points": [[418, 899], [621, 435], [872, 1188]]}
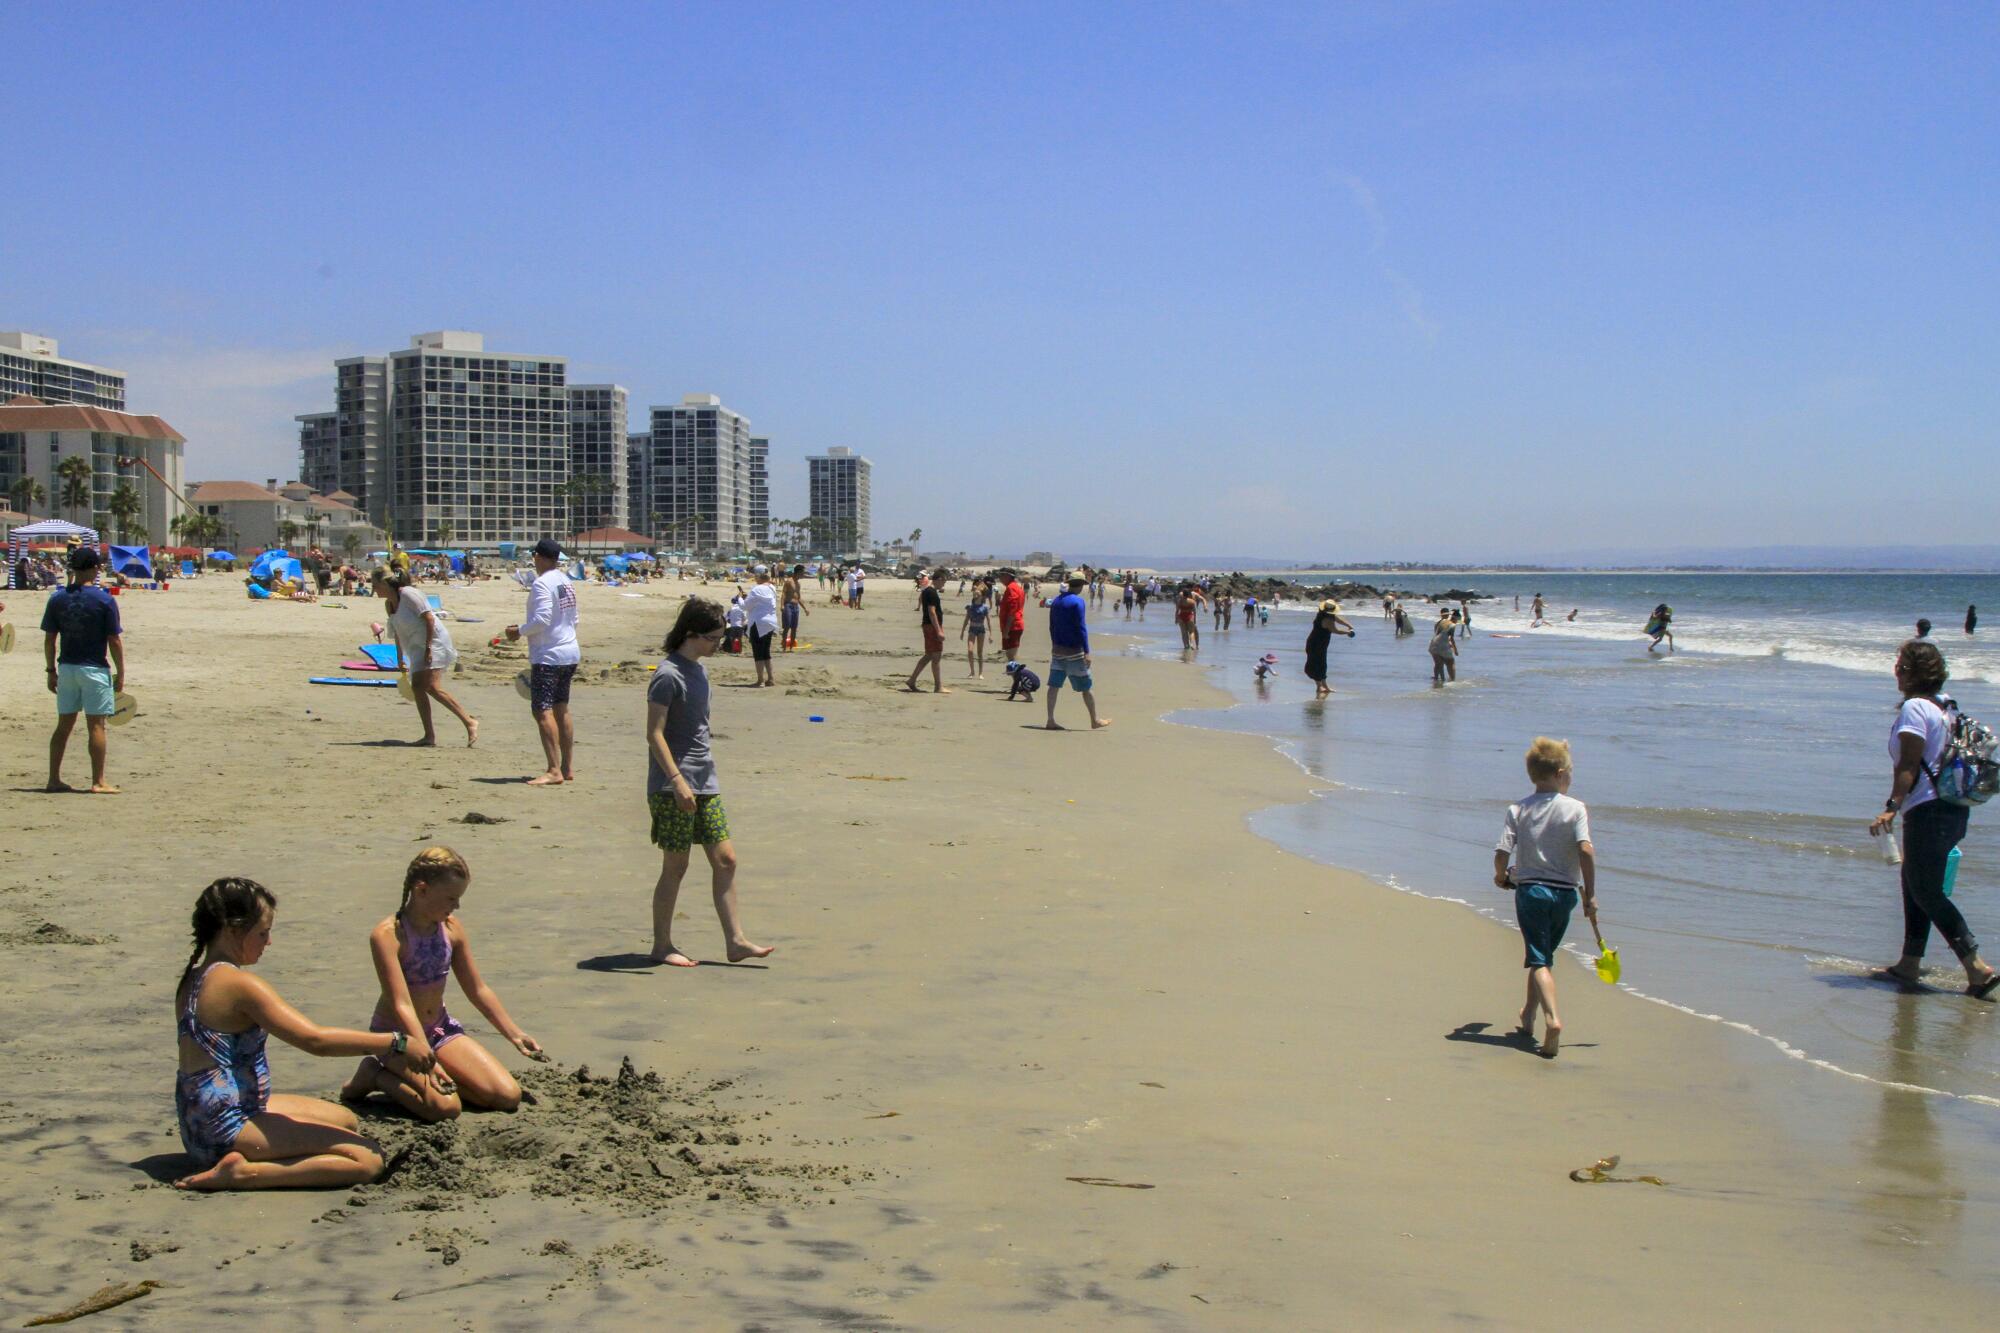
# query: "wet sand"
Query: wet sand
{"points": [[1049, 1037]]}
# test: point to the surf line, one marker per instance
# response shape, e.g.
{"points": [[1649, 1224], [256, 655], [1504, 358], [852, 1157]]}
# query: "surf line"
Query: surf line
{"points": [[1391, 882]]}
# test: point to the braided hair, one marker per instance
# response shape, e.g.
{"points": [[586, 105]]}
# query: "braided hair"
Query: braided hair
{"points": [[230, 903], [430, 865]]}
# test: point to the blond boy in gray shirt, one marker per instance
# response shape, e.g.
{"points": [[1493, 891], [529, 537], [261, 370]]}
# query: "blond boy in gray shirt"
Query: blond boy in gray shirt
{"points": [[1545, 857]]}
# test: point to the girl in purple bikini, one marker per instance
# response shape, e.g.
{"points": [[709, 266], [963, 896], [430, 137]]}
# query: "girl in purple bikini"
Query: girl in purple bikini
{"points": [[415, 951]]}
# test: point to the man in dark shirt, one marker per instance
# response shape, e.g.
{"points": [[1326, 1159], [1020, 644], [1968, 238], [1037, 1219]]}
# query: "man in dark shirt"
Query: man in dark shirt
{"points": [[81, 639], [931, 607], [1069, 652]]}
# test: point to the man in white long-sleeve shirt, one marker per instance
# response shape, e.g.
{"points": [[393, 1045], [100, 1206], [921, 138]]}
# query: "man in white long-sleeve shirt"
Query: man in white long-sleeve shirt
{"points": [[550, 630]]}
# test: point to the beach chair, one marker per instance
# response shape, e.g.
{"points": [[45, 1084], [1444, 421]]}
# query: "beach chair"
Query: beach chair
{"points": [[187, 569], [437, 605]]}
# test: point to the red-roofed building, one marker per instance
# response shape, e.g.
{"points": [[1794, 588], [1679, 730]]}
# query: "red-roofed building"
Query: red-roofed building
{"points": [[253, 517], [139, 454], [607, 541]]}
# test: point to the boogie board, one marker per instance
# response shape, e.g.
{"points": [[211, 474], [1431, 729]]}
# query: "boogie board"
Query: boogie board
{"points": [[385, 656], [346, 680]]}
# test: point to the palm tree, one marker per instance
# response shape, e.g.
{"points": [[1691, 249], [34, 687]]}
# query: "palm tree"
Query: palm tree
{"points": [[349, 544], [125, 508], [916, 535], [314, 522], [76, 475], [849, 533], [288, 533], [441, 532], [28, 493]]}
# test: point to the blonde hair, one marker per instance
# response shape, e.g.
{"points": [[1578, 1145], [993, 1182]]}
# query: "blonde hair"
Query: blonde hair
{"points": [[428, 867], [1547, 759]]}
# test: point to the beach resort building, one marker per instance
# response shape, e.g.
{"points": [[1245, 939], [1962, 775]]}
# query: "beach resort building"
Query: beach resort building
{"points": [[701, 476], [837, 483], [444, 441], [638, 483], [597, 469], [127, 492], [760, 490], [29, 365], [293, 516]]}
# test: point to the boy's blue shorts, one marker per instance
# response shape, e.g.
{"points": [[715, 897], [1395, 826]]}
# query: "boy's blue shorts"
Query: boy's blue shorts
{"points": [[1543, 911]]}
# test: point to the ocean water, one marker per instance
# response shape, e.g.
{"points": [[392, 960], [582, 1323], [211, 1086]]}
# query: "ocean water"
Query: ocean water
{"points": [[1730, 785]]}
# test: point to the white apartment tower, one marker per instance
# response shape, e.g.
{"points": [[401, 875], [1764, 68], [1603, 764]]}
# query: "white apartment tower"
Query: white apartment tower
{"points": [[760, 490], [597, 456], [837, 497], [701, 476], [445, 439], [29, 365]]}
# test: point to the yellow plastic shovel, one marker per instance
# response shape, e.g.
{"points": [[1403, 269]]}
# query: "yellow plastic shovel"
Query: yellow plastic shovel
{"points": [[1607, 958]]}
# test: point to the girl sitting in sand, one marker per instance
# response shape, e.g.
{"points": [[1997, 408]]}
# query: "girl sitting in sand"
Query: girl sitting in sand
{"points": [[241, 1135], [415, 951]]}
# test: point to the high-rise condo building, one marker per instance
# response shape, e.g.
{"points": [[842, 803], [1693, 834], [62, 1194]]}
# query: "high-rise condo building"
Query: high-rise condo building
{"points": [[29, 365], [699, 478], [597, 467], [760, 490], [837, 497], [638, 483], [445, 440]]}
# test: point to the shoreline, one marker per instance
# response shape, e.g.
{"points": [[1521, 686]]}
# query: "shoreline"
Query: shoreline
{"points": [[982, 992]]}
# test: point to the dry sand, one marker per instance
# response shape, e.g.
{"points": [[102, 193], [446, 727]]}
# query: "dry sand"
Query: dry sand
{"points": [[1049, 1038]]}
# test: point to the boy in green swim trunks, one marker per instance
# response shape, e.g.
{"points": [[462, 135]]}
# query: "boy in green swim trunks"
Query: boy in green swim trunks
{"points": [[681, 785]]}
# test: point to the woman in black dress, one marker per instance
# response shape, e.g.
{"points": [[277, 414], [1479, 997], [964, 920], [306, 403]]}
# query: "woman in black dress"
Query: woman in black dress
{"points": [[1325, 625]]}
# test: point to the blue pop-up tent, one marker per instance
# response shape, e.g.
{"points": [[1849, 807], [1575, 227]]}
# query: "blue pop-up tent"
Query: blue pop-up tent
{"points": [[276, 565], [617, 564], [222, 555], [134, 562]]}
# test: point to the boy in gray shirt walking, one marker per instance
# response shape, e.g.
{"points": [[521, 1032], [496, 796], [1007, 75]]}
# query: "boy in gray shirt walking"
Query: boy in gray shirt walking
{"points": [[1545, 857]]}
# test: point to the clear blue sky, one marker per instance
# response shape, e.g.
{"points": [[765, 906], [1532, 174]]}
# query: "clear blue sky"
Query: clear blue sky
{"points": [[1400, 279]]}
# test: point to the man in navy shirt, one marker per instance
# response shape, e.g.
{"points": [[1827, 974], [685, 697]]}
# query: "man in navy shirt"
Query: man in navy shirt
{"points": [[81, 639], [1069, 652]]}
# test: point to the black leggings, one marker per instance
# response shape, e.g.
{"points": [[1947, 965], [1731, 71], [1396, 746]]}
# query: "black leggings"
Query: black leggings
{"points": [[1930, 831]]}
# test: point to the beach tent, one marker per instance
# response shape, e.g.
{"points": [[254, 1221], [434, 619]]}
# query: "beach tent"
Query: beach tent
{"points": [[616, 564], [134, 562], [507, 550], [48, 531], [640, 556], [277, 565]]}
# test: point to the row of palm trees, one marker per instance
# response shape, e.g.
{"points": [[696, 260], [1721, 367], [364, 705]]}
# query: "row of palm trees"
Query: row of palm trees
{"points": [[76, 494]]}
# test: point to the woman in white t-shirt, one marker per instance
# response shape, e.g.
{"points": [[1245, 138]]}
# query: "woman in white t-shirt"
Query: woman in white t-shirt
{"points": [[1931, 827], [424, 645]]}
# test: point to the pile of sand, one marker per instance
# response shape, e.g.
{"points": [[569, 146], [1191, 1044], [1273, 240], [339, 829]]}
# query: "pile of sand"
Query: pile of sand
{"points": [[632, 1141]]}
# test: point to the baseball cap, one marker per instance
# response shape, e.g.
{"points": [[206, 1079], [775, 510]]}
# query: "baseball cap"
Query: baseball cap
{"points": [[84, 557], [760, 569], [548, 549]]}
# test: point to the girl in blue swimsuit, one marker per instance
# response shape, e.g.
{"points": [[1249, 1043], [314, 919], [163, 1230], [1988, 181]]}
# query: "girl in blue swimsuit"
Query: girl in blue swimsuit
{"points": [[238, 1132], [416, 951]]}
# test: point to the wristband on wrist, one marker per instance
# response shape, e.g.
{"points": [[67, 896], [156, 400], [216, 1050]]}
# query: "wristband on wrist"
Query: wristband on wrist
{"points": [[1892, 805], [399, 1043]]}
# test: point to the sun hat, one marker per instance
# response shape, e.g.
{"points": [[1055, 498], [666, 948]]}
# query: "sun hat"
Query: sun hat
{"points": [[1268, 657], [1330, 605]]}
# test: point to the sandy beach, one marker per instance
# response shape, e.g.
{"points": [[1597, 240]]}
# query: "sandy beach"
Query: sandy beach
{"points": [[1049, 1039]]}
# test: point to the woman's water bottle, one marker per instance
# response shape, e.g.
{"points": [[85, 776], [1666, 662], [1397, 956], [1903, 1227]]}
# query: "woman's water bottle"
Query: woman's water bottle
{"points": [[1892, 852], [1950, 871]]}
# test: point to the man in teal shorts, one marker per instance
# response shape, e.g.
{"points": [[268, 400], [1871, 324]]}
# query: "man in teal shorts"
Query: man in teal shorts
{"points": [[82, 637]]}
